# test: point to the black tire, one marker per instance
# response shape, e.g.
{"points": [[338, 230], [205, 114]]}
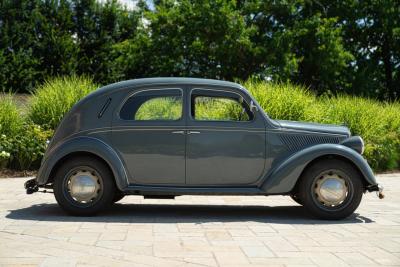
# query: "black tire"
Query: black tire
{"points": [[118, 196], [308, 188], [105, 191], [296, 199]]}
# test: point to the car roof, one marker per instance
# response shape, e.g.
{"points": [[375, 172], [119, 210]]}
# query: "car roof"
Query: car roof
{"points": [[163, 81], [174, 80]]}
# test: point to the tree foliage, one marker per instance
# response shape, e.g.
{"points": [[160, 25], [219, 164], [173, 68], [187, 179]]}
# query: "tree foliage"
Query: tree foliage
{"points": [[330, 46]]}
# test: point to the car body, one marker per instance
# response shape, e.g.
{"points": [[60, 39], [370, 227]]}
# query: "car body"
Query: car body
{"points": [[165, 137]]}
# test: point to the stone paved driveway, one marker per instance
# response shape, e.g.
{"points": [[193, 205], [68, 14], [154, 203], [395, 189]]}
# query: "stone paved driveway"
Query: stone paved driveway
{"points": [[197, 231]]}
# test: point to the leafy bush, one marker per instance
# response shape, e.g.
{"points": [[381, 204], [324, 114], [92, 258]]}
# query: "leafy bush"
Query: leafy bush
{"points": [[370, 120], [378, 123], [281, 100], [10, 118], [56, 97], [5, 151], [23, 139], [29, 146], [25, 149], [10, 125]]}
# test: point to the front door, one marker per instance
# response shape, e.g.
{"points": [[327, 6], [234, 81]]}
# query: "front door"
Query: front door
{"points": [[149, 134], [225, 140]]}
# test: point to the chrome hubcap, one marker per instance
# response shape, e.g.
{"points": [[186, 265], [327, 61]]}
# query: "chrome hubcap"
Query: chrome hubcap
{"points": [[83, 186], [331, 190]]}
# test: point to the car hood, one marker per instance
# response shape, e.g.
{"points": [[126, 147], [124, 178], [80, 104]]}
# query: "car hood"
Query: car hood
{"points": [[314, 127]]}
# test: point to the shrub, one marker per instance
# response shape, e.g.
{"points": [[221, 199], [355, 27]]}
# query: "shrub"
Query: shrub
{"points": [[370, 120], [10, 118], [10, 124], [23, 139], [5, 151], [378, 123], [281, 100], [56, 97], [28, 147]]}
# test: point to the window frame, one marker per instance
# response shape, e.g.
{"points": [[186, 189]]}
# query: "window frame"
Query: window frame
{"points": [[218, 93], [126, 99]]}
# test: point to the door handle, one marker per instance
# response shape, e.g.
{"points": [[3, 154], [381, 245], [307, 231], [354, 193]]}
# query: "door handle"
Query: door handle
{"points": [[178, 132], [193, 132]]}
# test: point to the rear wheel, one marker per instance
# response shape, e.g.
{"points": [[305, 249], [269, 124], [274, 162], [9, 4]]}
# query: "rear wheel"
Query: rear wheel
{"points": [[331, 189], [84, 186]]}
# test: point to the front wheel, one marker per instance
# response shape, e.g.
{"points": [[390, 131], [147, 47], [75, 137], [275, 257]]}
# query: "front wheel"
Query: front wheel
{"points": [[84, 186], [331, 189]]}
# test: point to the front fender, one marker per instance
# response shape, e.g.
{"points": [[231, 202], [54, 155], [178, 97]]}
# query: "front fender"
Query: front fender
{"points": [[83, 144], [283, 178]]}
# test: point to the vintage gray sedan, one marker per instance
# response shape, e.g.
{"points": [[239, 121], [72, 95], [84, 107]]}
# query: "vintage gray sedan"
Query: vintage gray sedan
{"points": [[166, 137]]}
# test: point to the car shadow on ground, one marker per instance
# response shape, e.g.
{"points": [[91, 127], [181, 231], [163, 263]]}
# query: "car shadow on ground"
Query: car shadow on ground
{"points": [[178, 213]]}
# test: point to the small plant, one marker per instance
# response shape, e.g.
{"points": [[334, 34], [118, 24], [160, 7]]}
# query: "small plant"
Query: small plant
{"points": [[10, 119], [55, 97], [29, 146], [4, 158], [5, 149]]}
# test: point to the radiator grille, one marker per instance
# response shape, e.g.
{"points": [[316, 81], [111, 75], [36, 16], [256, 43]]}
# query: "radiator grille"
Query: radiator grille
{"points": [[297, 142]]}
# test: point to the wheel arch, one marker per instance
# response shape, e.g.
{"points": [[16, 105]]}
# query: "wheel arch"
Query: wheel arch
{"points": [[328, 157], [283, 178], [71, 155], [79, 147]]}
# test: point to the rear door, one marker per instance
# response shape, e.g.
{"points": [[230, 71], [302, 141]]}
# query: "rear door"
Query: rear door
{"points": [[149, 134]]}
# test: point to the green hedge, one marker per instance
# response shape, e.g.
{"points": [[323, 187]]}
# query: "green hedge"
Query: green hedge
{"points": [[10, 119], [377, 122], [23, 137], [24, 133], [55, 97], [22, 143]]}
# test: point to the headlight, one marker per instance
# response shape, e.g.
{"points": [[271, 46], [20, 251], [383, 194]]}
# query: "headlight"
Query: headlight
{"points": [[354, 142], [362, 146]]}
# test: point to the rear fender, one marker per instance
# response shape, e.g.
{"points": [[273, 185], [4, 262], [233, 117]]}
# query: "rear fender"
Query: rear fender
{"points": [[87, 145]]}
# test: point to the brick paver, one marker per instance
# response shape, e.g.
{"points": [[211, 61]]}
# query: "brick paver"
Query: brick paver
{"points": [[197, 231]]}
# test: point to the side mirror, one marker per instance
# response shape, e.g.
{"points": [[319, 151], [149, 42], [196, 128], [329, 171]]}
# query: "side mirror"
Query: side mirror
{"points": [[253, 107]]}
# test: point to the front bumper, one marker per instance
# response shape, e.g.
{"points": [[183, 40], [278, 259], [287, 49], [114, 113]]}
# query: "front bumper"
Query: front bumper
{"points": [[31, 186], [376, 188]]}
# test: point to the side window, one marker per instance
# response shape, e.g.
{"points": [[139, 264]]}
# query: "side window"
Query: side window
{"points": [[153, 105], [219, 108]]}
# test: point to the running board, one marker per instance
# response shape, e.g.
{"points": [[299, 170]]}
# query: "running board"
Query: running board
{"points": [[145, 190], [158, 197]]}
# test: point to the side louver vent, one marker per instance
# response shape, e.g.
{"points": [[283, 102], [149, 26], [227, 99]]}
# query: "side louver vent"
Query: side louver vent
{"points": [[297, 142]]}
